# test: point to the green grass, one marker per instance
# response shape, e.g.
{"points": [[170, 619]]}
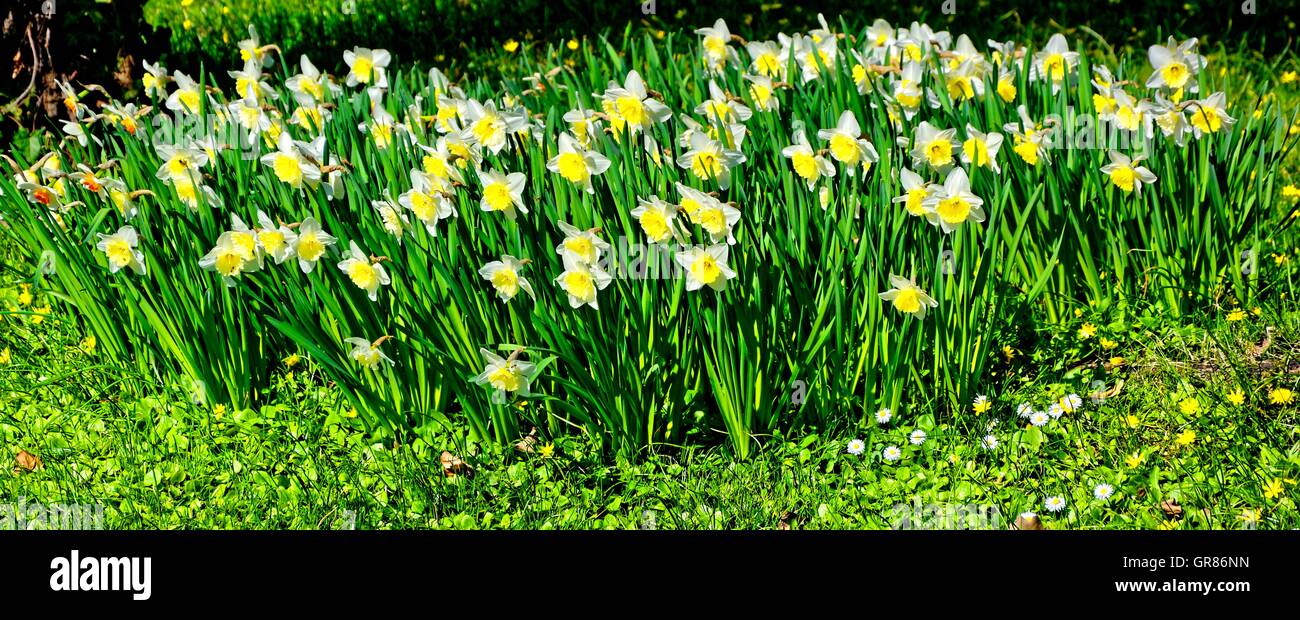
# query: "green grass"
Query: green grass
{"points": [[161, 462]]}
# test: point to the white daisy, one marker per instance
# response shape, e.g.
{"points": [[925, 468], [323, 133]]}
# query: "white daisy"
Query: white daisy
{"points": [[917, 437], [1055, 503], [892, 453], [883, 416], [1103, 491], [856, 447]]}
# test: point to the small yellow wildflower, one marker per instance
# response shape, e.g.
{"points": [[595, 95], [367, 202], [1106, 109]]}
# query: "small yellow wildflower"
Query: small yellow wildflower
{"points": [[1236, 315], [6, 356], [511, 46], [1273, 489], [1186, 438], [1189, 406], [1290, 191], [547, 451], [88, 345], [40, 315], [1117, 361], [1107, 343], [1133, 460], [572, 45], [352, 413], [1132, 421], [1280, 396], [291, 361], [982, 404], [1237, 397], [1168, 524], [1087, 331], [1288, 77], [218, 411]]}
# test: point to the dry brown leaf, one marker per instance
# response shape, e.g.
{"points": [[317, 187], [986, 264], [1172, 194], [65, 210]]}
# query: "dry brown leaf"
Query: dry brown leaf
{"points": [[784, 522], [1027, 521], [1171, 508], [528, 443], [28, 461], [452, 466]]}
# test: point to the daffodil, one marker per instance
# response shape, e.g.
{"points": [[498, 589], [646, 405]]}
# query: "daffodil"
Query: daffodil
{"points": [[88, 179], [583, 124], [762, 92], [577, 164], [908, 91], [765, 59], [249, 83], [907, 297], [658, 219], [230, 258], [489, 126], [706, 267], [710, 160], [153, 79], [275, 240], [964, 82], [120, 249], [580, 246], [722, 108], [180, 163], [426, 201], [367, 353], [367, 274], [1174, 66], [503, 193], [1126, 174], [506, 376], [980, 150], [290, 166], [188, 96], [953, 204], [717, 51], [630, 106], [581, 281], [915, 192], [505, 277], [934, 147], [1209, 115], [310, 87], [367, 67], [1055, 62], [808, 164], [394, 221], [311, 244], [847, 145], [717, 218]]}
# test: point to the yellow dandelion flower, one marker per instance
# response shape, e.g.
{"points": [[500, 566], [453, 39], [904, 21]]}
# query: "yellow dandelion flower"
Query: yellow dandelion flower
{"points": [[1186, 438], [1189, 406], [1280, 396], [511, 46], [1236, 315], [1133, 460], [1087, 331], [1237, 397]]}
